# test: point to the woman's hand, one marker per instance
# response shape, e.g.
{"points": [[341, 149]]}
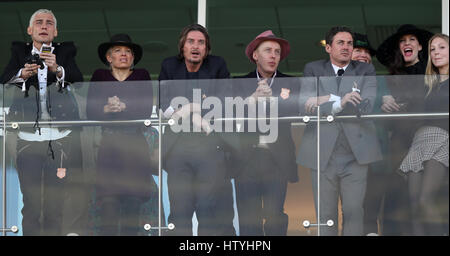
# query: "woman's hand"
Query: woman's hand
{"points": [[114, 105], [389, 104]]}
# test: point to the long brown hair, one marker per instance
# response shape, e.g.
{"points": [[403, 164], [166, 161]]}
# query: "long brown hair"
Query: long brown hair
{"points": [[185, 32], [432, 72]]}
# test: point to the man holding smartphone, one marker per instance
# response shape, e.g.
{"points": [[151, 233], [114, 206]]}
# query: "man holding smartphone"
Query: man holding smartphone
{"points": [[48, 158], [346, 147]]}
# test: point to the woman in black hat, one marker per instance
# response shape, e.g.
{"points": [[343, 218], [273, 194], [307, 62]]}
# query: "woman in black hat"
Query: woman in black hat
{"points": [[403, 53], [122, 92]]}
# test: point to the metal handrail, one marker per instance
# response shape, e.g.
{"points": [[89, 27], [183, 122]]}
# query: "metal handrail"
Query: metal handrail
{"points": [[155, 121], [159, 122]]}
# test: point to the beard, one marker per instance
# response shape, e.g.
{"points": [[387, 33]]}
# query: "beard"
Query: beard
{"points": [[195, 62]]}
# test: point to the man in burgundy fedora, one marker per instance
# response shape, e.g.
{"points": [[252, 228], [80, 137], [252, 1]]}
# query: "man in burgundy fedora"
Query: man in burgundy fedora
{"points": [[265, 167]]}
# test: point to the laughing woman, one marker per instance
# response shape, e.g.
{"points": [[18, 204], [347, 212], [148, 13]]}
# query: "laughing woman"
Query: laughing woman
{"points": [[405, 55], [427, 161]]}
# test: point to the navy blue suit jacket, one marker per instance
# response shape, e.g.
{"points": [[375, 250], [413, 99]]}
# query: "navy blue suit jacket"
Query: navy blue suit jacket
{"points": [[174, 68]]}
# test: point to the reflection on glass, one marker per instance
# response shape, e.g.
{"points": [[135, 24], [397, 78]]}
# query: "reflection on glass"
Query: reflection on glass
{"points": [[244, 129]]}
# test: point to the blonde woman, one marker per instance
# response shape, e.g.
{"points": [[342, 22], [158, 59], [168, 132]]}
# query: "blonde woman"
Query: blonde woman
{"points": [[123, 175], [426, 164]]}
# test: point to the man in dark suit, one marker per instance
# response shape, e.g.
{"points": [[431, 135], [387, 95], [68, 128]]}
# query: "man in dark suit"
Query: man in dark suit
{"points": [[195, 161], [48, 156], [341, 86], [265, 167]]}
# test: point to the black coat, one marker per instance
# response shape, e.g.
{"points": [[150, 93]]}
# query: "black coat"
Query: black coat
{"points": [[211, 79], [283, 149], [65, 56], [407, 89], [63, 104], [213, 67]]}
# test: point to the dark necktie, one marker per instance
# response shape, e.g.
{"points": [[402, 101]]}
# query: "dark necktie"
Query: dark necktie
{"points": [[339, 77]]}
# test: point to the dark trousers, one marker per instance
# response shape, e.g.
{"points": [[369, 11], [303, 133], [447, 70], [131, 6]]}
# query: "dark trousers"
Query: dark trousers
{"points": [[120, 215], [377, 179], [43, 192], [197, 183], [261, 193], [396, 215]]}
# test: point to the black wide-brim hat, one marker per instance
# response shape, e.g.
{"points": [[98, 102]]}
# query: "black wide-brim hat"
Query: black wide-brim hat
{"points": [[362, 41], [120, 39], [386, 51]]}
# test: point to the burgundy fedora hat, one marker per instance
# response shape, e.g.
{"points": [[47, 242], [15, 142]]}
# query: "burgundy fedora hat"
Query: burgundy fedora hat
{"points": [[267, 36]]}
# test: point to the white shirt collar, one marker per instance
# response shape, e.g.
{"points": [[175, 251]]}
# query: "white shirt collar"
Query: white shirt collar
{"points": [[36, 50], [336, 68]]}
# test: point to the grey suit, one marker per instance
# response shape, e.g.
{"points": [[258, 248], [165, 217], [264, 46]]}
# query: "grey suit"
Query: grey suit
{"points": [[346, 148]]}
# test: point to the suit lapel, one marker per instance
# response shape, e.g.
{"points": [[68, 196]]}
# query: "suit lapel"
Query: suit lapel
{"points": [[51, 77], [328, 81], [350, 71], [246, 86], [181, 74], [329, 71], [205, 86], [27, 51], [203, 72], [347, 79]]}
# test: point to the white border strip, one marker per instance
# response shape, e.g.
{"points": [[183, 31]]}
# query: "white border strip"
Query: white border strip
{"points": [[201, 12], [445, 15]]}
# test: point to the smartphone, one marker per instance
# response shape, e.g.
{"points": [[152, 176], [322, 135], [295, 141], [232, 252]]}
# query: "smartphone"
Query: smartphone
{"points": [[46, 49]]}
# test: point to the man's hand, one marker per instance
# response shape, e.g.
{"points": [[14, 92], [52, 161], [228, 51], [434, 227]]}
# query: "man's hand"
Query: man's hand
{"points": [[389, 104], [29, 70], [50, 61], [186, 110], [197, 120], [114, 105], [312, 103], [352, 97], [263, 90], [201, 123]]}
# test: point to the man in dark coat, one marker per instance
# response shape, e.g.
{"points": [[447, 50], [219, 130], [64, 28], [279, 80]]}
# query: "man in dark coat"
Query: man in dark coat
{"points": [[266, 164], [195, 162], [48, 156]]}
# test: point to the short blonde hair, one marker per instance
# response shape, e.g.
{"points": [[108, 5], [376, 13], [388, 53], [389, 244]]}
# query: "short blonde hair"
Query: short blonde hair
{"points": [[41, 11]]}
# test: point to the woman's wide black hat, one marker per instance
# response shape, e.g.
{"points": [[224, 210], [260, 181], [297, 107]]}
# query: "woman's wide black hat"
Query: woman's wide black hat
{"points": [[119, 39], [386, 51]]}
